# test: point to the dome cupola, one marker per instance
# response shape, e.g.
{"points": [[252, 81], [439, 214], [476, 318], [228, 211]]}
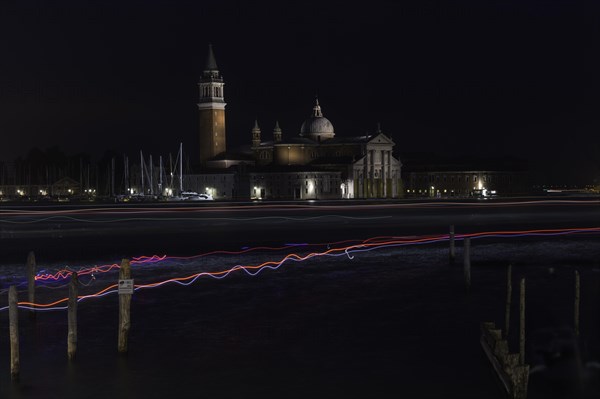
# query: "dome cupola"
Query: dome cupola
{"points": [[317, 127]]}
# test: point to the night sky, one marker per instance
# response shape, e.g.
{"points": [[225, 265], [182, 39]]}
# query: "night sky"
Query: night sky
{"points": [[492, 78]]}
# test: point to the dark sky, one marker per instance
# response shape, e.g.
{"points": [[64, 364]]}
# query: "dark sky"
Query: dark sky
{"points": [[492, 78]]}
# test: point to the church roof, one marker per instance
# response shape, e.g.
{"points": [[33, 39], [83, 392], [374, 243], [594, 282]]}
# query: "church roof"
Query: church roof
{"points": [[348, 140], [275, 168], [233, 156], [296, 140]]}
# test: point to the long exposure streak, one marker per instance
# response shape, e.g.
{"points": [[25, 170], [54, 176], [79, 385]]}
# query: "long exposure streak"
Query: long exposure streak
{"points": [[253, 270], [133, 210]]}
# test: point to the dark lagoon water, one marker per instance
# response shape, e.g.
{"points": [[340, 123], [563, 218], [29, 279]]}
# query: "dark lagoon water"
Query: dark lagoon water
{"points": [[393, 322]]}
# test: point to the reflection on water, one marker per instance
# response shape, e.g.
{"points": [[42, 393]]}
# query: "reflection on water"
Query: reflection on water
{"points": [[390, 323]]}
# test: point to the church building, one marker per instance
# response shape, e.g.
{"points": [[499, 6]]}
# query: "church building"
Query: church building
{"points": [[315, 163]]}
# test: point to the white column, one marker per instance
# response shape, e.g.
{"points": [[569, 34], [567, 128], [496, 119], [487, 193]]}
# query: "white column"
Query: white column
{"points": [[383, 173], [366, 174], [389, 165]]}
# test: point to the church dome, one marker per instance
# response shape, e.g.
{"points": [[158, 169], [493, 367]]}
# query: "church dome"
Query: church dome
{"points": [[317, 127], [316, 124]]}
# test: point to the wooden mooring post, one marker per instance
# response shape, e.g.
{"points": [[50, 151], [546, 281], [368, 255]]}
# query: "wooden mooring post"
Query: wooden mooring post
{"points": [[124, 307], [467, 263], [72, 317], [577, 298], [508, 301], [452, 249], [13, 321], [31, 266], [522, 324], [509, 367], [514, 376]]}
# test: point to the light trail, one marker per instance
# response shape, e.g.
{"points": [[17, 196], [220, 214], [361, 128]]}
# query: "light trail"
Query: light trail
{"points": [[230, 219], [159, 209], [366, 245], [217, 275], [65, 273]]}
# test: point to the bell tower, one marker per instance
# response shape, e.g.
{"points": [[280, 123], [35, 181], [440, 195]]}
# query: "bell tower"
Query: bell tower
{"points": [[211, 107], [256, 135], [277, 133]]}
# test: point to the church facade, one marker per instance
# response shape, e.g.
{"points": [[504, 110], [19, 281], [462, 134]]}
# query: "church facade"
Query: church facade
{"points": [[314, 164]]}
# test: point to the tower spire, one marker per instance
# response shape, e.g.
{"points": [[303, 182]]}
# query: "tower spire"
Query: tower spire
{"points": [[211, 63], [256, 134], [277, 132]]}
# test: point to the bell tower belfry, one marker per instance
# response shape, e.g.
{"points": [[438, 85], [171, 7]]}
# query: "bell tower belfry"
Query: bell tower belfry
{"points": [[211, 107]]}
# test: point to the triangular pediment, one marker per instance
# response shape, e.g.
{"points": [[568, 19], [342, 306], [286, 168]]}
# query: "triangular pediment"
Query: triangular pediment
{"points": [[360, 162], [381, 139], [66, 181]]}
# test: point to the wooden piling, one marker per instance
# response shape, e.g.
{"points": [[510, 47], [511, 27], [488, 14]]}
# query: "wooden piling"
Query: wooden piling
{"points": [[467, 263], [13, 321], [452, 249], [522, 324], [72, 317], [31, 272], [508, 301], [520, 381], [124, 308], [514, 377], [577, 298]]}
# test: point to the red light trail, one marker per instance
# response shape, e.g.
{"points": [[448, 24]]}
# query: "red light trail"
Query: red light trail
{"points": [[343, 250]]}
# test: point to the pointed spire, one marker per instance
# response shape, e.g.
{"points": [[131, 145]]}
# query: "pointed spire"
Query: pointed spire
{"points": [[378, 128], [277, 132], [211, 64], [255, 134]]}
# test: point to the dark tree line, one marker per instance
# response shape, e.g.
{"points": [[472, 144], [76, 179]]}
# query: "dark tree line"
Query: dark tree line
{"points": [[112, 174], [45, 167]]}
